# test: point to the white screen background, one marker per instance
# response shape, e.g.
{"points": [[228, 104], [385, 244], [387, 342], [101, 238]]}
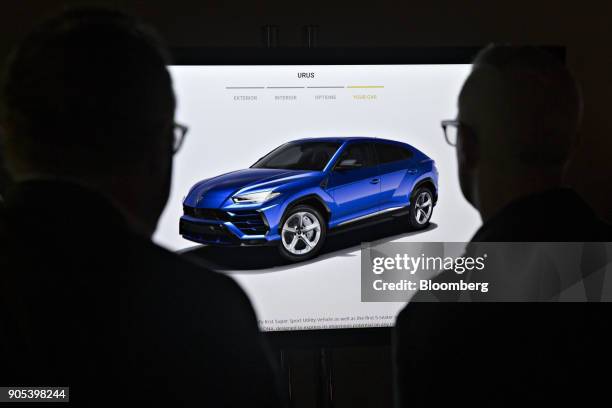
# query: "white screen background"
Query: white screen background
{"points": [[227, 134]]}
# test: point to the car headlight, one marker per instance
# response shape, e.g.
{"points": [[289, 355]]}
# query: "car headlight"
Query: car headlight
{"points": [[254, 198]]}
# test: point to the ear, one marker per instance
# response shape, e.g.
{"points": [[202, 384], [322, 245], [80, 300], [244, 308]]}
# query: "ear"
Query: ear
{"points": [[4, 146], [468, 148], [2, 135]]}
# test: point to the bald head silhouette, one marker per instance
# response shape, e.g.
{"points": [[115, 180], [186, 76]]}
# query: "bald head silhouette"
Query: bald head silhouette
{"points": [[88, 98], [519, 114]]}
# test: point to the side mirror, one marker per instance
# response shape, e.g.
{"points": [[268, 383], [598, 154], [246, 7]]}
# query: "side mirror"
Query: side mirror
{"points": [[348, 164]]}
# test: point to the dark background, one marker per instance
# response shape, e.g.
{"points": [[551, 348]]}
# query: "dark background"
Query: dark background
{"points": [[583, 27], [360, 375]]}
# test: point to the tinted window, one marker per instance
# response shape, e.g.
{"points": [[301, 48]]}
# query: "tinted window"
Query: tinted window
{"points": [[299, 156], [388, 153], [361, 153]]}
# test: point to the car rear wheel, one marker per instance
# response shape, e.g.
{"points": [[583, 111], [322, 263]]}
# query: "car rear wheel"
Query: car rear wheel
{"points": [[303, 233], [421, 208]]}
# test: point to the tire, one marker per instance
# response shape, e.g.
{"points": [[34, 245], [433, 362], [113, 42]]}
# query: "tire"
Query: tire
{"points": [[421, 208], [300, 242]]}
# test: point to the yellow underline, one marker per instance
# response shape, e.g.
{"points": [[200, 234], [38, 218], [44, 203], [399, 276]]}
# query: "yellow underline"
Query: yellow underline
{"points": [[365, 86]]}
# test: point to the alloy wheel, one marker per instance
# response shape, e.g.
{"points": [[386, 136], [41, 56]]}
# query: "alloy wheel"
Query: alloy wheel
{"points": [[301, 233]]}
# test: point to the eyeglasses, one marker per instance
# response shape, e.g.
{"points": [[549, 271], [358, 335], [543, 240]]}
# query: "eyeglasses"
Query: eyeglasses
{"points": [[179, 136], [451, 129]]}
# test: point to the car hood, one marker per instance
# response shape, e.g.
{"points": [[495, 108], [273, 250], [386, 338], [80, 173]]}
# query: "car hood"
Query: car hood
{"points": [[213, 192]]}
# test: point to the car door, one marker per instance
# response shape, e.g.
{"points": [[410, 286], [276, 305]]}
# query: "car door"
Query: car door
{"points": [[398, 171], [355, 188]]}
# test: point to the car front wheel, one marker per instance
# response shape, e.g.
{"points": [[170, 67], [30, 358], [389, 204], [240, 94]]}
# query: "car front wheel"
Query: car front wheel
{"points": [[302, 233]]}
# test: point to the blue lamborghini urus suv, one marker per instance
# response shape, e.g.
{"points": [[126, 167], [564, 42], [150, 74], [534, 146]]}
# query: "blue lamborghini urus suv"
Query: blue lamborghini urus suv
{"points": [[301, 190]]}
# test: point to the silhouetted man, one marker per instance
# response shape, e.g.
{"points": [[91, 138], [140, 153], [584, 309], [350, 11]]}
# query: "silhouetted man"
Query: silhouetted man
{"points": [[517, 128], [519, 113], [88, 301]]}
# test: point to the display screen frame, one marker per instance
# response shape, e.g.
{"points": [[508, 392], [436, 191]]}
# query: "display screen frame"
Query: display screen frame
{"points": [[253, 56]]}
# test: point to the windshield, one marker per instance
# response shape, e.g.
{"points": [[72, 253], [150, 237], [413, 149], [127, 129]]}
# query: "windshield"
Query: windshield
{"points": [[299, 156]]}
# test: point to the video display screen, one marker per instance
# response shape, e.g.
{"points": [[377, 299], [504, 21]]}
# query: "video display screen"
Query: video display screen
{"points": [[267, 163]]}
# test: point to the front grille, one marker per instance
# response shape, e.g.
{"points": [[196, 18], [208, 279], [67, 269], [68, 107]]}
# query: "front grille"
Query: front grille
{"points": [[206, 213], [248, 221], [206, 233]]}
